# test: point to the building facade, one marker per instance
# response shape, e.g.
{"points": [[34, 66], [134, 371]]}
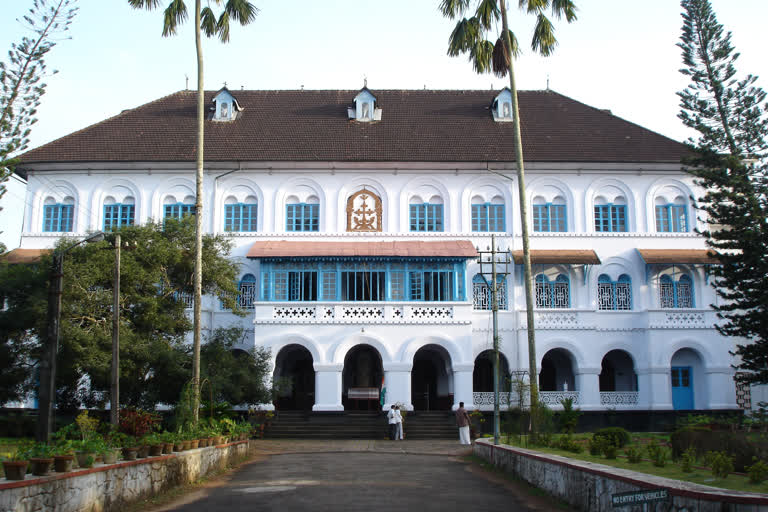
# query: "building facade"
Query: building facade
{"points": [[357, 217]]}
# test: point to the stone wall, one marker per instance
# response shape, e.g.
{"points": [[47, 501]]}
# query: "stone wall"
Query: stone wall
{"points": [[106, 488], [589, 486]]}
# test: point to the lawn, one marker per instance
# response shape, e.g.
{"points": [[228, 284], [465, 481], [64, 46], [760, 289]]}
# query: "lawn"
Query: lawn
{"points": [[736, 482]]}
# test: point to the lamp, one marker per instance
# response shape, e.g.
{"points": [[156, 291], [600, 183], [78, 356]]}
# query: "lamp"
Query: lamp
{"points": [[47, 389]]}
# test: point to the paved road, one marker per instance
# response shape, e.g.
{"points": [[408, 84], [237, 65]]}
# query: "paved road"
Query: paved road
{"points": [[365, 476]]}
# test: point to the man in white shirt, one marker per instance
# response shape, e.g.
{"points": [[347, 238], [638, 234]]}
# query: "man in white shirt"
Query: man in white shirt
{"points": [[392, 420], [399, 424]]}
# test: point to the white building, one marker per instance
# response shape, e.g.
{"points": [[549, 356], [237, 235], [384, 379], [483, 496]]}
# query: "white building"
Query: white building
{"points": [[356, 214]]}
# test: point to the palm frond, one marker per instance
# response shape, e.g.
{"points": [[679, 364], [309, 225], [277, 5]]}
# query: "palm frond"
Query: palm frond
{"points": [[487, 12], [501, 56], [453, 8], [222, 27], [544, 41], [241, 11], [481, 55], [464, 36], [531, 6], [565, 8], [144, 4], [175, 13], [207, 21]]}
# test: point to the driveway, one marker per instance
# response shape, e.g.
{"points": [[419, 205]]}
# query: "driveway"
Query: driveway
{"points": [[365, 476]]}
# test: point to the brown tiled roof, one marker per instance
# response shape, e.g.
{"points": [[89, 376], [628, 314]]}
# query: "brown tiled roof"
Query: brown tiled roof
{"points": [[692, 256], [413, 249], [554, 257], [17, 256], [417, 126]]}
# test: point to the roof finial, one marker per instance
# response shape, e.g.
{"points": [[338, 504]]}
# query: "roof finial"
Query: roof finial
{"points": [[225, 83], [547, 81], [365, 81], [186, 82]]}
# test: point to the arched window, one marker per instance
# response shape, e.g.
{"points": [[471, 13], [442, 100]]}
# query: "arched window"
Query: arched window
{"points": [[614, 295], [58, 217], [610, 216], [671, 217], [173, 209], [488, 216], [553, 294], [676, 294], [549, 216], [118, 214], [246, 291], [302, 216], [240, 216], [426, 216], [481, 293]]}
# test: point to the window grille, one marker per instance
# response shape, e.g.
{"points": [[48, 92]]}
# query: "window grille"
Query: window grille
{"points": [[555, 294], [58, 217], [611, 218], [488, 217], [426, 217], [302, 217], [246, 292], [549, 218], [481, 293], [614, 295], [240, 217], [116, 215], [677, 294]]}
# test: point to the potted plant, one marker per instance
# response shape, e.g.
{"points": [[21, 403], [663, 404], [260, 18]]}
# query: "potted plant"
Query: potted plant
{"points": [[15, 467], [88, 449], [154, 443], [168, 440], [129, 446], [63, 456], [40, 457]]}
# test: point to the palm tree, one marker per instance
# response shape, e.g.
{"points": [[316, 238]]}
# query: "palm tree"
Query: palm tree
{"points": [[469, 36], [243, 12]]}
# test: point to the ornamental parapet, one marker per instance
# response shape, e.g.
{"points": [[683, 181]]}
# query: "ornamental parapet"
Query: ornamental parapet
{"points": [[444, 313]]}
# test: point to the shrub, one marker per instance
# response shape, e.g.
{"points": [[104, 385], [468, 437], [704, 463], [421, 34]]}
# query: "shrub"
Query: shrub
{"points": [[634, 455], [758, 471], [610, 451], [617, 436], [721, 464], [568, 417], [597, 445], [657, 454], [703, 440], [687, 460], [567, 443]]}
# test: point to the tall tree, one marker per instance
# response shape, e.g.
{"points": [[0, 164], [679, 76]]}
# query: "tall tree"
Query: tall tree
{"points": [[21, 86], [729, 163], [243, 12], [470, 36]]}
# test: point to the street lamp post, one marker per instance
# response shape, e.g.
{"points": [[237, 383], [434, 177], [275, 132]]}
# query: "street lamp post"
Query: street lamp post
{"points": [[47, 389]]}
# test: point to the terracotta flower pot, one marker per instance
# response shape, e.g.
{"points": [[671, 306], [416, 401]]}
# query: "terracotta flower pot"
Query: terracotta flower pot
{"points": [[41, 466], [85, 459], [193, 443], [212, 441], [178, 446], [110, 457], [187, 445], [155, 450], [129, 453], [63, 463], [168, 448], [202, 443], [15, 469], [143, 452]]}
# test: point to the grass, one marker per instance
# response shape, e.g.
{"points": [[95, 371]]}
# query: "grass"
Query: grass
{"points": [[736, 482]]}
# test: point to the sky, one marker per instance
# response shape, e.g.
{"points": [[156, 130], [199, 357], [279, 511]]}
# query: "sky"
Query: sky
{"points": [[619, 55]]}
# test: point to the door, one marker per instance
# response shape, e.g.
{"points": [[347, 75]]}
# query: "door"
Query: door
{"points": [[682, 387]]}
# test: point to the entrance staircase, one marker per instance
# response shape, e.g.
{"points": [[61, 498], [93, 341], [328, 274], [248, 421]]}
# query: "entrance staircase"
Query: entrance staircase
{"points": [[359, 425]]}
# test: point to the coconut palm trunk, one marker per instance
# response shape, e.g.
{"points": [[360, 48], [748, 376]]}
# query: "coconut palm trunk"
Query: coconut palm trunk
{"points": [[518, 143], [198, 273]]}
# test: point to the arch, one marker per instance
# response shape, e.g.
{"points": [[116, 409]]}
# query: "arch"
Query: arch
{"points": [[668, 190], [617, 371], [304, 190], [610, 190], [556, 370], [363, 367], [57, 191], [572, 349], [294, 378], [111, 188], [482, 375], [177, 187], [688, 381], [432, 378], [239, 189], [341, 350], [277, 344], [410, 347], [486, 188], [544, 190], [371, 184], [702, 351], [426, 188]]}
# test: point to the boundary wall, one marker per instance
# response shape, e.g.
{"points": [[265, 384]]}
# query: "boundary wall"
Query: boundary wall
{"points": [[589, 486], [107, 488]]}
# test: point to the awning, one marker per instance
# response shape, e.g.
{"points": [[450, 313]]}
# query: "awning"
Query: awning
{"points": [[682, 256], [557, 256], [18, 256], [405, 249]]}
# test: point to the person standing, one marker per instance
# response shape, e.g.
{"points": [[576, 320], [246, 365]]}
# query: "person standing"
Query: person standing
{"points": [[399, 424], [463, 421], [392, 420]]}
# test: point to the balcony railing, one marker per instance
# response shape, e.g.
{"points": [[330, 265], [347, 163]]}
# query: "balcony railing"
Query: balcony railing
{"points": [[363, 312], [618, 398], [621, 320], [553, 398]]}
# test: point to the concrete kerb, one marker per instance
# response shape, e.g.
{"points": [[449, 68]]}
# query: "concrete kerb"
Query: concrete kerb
{"points": [[589, 486]]}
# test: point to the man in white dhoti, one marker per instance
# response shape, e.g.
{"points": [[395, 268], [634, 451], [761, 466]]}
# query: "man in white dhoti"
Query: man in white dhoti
{"points": [[391, 419], [463, 421], [399, 423]]}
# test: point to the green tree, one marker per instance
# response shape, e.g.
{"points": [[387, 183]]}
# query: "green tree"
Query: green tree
{"points": [[729, 162], [470, 36], [21, 86], [243, 12]]}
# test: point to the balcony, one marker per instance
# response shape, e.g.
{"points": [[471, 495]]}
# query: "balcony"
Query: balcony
{"points": [[618, 398], [443, 313], [621, 320]]}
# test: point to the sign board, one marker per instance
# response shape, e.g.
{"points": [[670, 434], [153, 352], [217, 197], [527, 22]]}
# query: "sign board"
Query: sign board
{"points": [[625, 499]]}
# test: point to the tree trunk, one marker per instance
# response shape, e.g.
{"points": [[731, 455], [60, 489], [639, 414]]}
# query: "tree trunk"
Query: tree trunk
{"points": [[198, 278], [534, 388]]}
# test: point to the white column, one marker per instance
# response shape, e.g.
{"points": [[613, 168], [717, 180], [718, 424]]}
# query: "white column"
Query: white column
{"points": [[588, 386], [397, 380], [721, 388], [654, 389], [462, 385], [328, 387]]}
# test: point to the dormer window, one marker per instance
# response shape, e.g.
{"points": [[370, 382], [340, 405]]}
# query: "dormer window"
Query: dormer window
{"points": [[225, 106], [502, 107], [365, 107]]}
